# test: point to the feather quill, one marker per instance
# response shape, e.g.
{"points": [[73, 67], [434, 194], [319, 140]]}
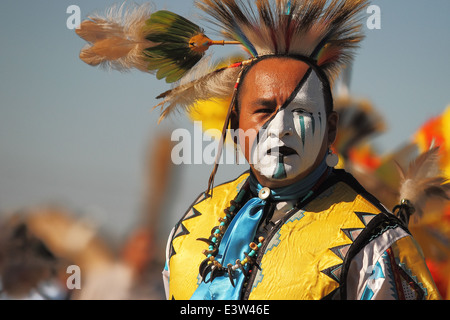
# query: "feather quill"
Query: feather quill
{"points": [[423, 181], [116, 39]]}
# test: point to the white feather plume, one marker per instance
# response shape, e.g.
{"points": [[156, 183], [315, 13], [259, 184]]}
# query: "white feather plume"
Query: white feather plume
{"points": [[116, 39], [199, 84]]}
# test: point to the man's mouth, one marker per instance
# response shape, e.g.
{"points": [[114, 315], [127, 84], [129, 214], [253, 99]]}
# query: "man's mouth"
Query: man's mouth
{"points": [[285, 151]]}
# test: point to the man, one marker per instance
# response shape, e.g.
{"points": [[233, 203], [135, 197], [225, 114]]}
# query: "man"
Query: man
{"points": [[292, 227], [324, 235]]}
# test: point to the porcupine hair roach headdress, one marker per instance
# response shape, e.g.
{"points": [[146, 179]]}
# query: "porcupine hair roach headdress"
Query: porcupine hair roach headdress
{"points": [[324, 32]]}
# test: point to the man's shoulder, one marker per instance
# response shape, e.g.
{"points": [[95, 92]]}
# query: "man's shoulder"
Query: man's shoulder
{"points": [[223, 192], [347, 179], [237, 181]]}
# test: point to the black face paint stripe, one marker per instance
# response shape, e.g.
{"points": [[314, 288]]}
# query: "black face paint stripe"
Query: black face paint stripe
{"points": [[291, 97], [320, 119], [311, 62], [297, 89], [284, 105]]}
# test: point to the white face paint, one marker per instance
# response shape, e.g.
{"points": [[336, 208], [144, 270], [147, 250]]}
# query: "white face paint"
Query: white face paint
{"points": [[289, 143]]}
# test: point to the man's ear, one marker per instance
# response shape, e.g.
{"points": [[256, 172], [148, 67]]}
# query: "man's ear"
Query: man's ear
{"points": [[332, 122]]}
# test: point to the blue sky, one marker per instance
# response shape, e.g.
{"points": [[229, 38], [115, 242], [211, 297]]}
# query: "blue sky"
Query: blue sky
{"points": [[79, 135]]}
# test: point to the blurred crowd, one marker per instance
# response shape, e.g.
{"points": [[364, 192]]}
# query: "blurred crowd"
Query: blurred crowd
{"points": [[51, 252]]}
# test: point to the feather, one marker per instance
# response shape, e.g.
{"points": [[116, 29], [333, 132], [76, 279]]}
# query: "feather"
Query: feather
{"points": [[198, 85], [173, 56], [213, 112], [162, 42], [116, 39], [328, 34], [180, 45], [423, 181]]}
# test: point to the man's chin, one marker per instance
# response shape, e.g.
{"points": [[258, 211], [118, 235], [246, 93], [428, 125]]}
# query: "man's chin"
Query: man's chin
{"points": [[267, 176]]}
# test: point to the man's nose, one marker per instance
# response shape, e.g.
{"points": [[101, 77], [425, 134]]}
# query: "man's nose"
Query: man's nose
{"points": [[281, 125]]}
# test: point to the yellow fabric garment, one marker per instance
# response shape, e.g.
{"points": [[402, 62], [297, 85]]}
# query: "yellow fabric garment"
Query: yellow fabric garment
{"points": [[295, 258], [410, 259], [197, 223], [303, 257]]}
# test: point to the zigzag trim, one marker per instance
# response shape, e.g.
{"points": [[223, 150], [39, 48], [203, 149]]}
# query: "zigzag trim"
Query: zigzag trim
{"points": [[334, 272], [181, 229]]}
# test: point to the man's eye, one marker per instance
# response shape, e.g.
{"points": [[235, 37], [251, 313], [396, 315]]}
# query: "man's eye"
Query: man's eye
{"points": [[299, 110], [264, 110]]}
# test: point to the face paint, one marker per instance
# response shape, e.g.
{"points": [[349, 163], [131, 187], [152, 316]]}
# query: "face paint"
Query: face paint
{"points": [[289, 143]]}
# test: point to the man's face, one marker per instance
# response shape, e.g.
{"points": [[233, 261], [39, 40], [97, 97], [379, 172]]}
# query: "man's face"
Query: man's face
{"points": [[283, 125]]}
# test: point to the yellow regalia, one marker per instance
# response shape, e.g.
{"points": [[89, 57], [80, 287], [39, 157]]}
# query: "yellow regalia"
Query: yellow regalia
{"points": [[308, 253]]}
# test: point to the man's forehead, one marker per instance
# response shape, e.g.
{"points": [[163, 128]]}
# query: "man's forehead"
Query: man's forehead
{"points": [[277, 70], [281, 80]]}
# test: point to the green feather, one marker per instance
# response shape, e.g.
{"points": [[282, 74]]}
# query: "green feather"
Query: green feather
{"points": [[175, 75], [172, 57], [163, 71], [170, 72], [155, 64], [174, 20]]}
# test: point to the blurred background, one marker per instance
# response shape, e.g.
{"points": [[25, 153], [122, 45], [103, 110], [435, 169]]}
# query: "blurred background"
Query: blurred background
{"points": [[85, 171]]}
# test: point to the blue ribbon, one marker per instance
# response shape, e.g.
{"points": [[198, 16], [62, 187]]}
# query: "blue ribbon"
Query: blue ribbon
{"points": [[235, 241], [241, 231]]}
